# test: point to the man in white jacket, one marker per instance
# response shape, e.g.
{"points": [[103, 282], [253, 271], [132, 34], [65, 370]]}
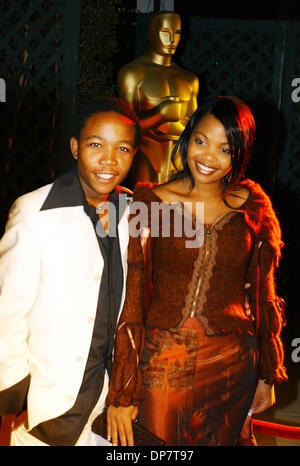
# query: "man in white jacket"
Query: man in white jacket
{"points": [[62, 284]]}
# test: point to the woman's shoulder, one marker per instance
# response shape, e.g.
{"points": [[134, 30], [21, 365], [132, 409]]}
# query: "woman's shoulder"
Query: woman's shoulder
{"points": [[238, 197], [248, 194], [168, 192], [261, 215], [145, 192], [165, 192], [143, 186], [257, 196], [257, 202]]}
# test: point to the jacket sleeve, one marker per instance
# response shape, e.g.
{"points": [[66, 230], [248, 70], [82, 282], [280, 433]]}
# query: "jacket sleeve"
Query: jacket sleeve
{"points": [[19, 281], [269, 315], [126, 376]]}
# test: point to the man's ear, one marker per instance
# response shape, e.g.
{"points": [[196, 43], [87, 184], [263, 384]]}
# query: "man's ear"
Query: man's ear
{"points": [[74, 147]]}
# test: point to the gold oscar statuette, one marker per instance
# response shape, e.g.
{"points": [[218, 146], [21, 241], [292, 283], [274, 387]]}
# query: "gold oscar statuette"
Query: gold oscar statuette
{"points": [[163, 95]]}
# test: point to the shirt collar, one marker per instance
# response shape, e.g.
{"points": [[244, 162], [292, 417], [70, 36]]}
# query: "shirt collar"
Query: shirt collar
{"points": [[66, 191]]}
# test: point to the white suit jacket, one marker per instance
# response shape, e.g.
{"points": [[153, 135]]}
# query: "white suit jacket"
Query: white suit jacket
{"points": [[50, 273]]}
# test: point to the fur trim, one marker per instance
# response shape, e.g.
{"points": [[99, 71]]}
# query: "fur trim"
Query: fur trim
{"points": [[122, 189], [261, 217]]}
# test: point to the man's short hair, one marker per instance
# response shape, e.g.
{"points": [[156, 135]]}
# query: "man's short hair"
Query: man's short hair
{"points": [[102, 105]]}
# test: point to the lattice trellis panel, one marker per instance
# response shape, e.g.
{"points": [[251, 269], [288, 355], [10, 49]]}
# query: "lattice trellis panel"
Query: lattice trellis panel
{"points": [[234, 61], [39, 42]]}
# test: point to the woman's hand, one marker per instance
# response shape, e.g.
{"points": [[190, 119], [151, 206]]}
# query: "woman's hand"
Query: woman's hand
{"points": [[247, 302], [119, 424], [264, 397]]}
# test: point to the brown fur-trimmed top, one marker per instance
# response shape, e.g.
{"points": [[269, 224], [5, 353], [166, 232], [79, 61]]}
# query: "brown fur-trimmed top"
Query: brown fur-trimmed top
{"points": [[238, 243]]}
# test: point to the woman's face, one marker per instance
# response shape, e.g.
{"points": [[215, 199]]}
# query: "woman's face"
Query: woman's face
{"points": [[104, 154], [209, 154]]}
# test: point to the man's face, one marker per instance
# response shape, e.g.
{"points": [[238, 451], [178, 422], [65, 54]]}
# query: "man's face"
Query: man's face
{"points": [[165, 34], [104, 154]]}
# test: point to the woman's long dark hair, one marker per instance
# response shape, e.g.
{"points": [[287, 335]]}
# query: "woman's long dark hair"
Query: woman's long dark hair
{"points": [[239, 125]]}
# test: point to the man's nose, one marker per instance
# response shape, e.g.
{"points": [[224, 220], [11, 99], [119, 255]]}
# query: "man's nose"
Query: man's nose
{"points": [[108, 157]]}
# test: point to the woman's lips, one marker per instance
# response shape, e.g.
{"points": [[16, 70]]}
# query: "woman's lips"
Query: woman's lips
{"points": [[204, 169]]}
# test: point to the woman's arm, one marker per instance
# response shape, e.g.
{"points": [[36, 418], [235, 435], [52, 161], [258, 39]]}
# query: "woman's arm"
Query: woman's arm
{"points": [[270, 348], [126, 377], [264, 397], [271, 351]]}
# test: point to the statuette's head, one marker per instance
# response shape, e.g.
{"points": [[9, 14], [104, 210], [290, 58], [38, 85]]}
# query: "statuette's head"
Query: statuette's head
{"points": [[164, 32]]}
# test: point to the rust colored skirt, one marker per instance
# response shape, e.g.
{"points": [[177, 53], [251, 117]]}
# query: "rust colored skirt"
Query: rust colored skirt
{"points": [[197, 388]]}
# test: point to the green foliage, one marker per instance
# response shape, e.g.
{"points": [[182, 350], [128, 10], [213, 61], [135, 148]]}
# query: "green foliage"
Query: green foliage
{"points": [[98, 49]]}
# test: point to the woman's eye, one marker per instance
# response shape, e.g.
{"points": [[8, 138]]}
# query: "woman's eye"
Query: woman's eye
{"points": [[199, 141], [95, 144], [124, 149]]}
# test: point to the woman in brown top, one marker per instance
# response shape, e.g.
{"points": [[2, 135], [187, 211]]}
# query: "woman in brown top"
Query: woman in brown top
{"points": [[194, 364]]}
